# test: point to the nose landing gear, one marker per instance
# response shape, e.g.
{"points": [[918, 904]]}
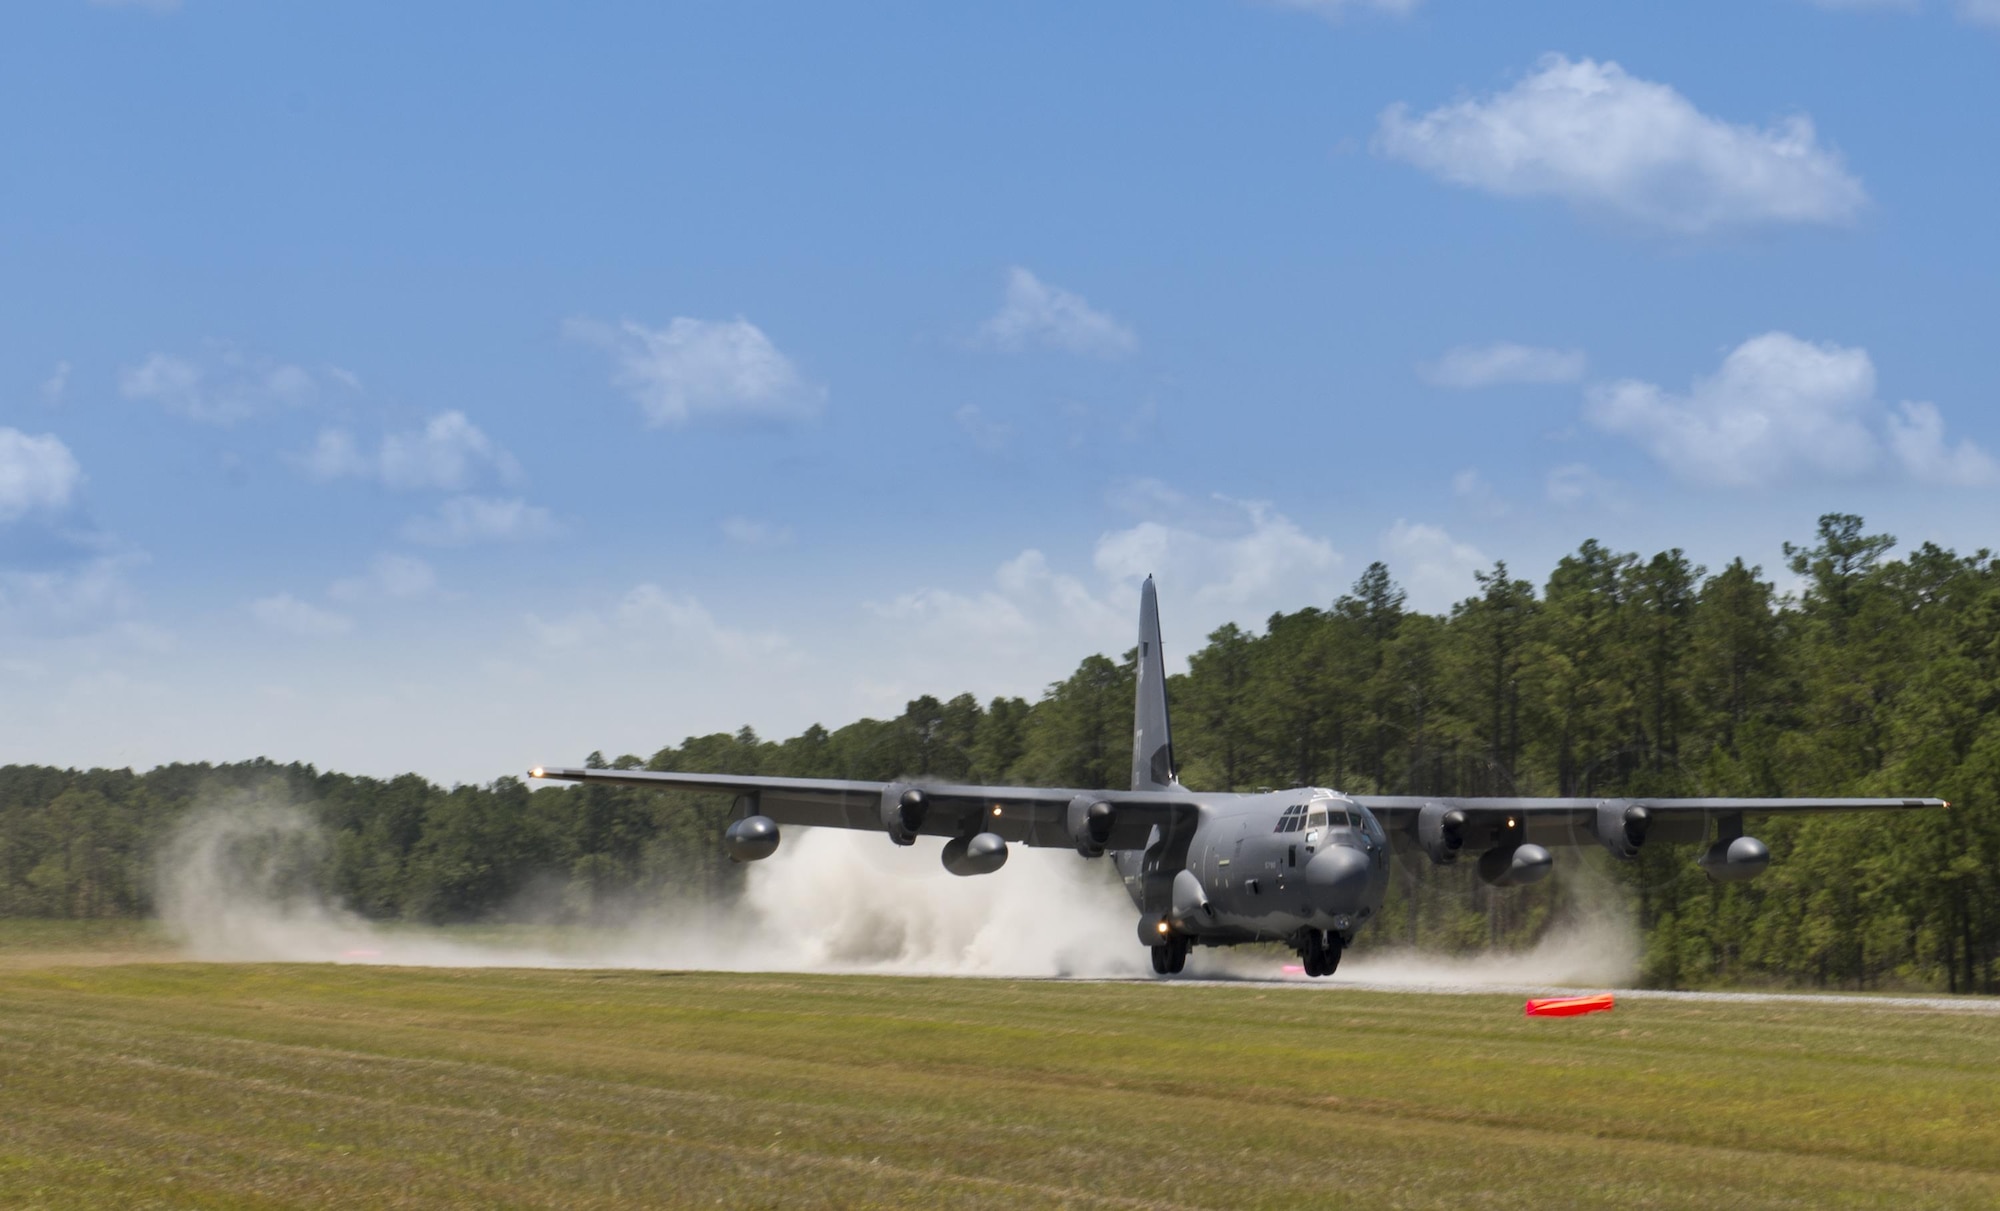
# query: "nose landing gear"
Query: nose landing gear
{"points": [[1170, 956], [1320, 952]]}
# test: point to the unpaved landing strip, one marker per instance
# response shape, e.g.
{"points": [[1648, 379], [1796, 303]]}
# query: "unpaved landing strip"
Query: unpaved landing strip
{"points": [[263, 1086]]}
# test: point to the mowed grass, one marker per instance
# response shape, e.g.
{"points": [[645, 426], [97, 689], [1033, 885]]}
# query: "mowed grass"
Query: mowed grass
{"points": [[204, 1085]]}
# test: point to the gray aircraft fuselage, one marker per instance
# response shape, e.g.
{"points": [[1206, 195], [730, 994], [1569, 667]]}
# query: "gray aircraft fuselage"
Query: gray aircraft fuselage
{"points": [[1262, 867]]}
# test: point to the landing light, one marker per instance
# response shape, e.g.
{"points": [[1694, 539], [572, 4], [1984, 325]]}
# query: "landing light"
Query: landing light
{"points": [[535, 772], [1162, 927], [1510, 822], [996, 809]]}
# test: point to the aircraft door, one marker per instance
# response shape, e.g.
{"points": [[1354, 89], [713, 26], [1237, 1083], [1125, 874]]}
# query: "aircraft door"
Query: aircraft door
{"points": [[1220, 859]]}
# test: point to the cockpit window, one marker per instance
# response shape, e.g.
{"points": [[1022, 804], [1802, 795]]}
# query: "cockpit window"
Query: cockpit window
{"points": [[1316, 819]]}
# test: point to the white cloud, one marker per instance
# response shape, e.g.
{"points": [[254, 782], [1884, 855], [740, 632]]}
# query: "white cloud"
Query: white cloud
{"points": [[700, 368], [391, 577], [1579, 484], [1034, 313], [1916, 435], [1470, 366], [73, 600], [1975, 12], [232, 388], [463, 520], [1230, 569], [1605, 141], [448, 453], [651, 620], [1777, 406], [287, 615], [36, 473], [745, 532], [1434, 568], [1234, 561]]}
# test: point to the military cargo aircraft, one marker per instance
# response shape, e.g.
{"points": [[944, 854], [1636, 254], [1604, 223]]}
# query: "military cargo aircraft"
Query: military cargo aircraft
{"points": [[1306, 867]]}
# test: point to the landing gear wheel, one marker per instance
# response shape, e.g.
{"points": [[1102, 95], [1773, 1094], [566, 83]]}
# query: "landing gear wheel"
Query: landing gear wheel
{"points": [[1320, 954], [1177, 953], [1162, 960]]}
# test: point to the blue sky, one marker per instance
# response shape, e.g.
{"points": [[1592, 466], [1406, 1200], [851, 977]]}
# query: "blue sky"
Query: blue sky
{"points": [[454, 387]]}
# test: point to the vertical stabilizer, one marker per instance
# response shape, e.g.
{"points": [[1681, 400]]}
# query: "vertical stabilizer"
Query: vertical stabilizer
{"points": [[1152, 736]]}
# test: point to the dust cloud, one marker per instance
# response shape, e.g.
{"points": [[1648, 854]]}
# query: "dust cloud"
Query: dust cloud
{"points": [[235, 883], [238, 882]]}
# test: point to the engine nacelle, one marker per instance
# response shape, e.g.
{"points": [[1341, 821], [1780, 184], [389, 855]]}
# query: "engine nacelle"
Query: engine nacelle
{"points": [[1190, 900], [903, 812], [1622, 826], [1090, 822], [1441, 831], [1515, 865], [978, 855], [1736, 860], [751, 839]]}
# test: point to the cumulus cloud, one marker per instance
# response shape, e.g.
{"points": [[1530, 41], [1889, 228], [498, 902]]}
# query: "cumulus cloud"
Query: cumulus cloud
{"points": [[287, 615], [694, 369], [1434, 568], [1780, 406], [36, 474], [1216, 561], [1916, 436], [67, 600], [1035, 314], [1605, 141], [448, 453], [389, 577], [1578, 484], [228, 388], [465, 520], [1976, 12], [1471, 366], [652, 620]]}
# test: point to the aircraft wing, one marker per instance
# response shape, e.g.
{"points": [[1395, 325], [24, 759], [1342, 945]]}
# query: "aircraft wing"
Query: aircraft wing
{"points": [[1025, 815], [1575, 821]]}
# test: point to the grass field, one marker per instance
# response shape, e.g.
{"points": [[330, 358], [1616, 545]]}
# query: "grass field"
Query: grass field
{"points": [[168, 1084]]}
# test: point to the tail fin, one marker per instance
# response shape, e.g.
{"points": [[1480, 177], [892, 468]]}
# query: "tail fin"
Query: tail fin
{"points": [[1152, 735]]}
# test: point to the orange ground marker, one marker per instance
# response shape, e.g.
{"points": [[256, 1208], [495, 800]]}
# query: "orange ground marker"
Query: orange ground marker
{"points": [[1569, 1007]]}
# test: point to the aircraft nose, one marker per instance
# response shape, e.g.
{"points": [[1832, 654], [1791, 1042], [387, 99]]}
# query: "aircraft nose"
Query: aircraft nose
{"points": [[1337, 878]]}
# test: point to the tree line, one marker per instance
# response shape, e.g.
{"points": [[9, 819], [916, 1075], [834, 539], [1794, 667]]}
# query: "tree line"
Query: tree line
{"points": [[1619, 675]]}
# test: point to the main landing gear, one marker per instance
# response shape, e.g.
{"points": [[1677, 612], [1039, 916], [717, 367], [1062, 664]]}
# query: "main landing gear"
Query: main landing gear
{"points": [[1320, 952], [1170, 956]]}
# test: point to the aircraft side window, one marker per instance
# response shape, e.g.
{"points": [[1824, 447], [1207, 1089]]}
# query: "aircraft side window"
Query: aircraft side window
{"points": [[1292, 856]]}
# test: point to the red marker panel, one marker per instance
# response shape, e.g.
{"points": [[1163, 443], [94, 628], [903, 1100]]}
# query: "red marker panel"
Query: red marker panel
{"points": [[1569, 1007]]}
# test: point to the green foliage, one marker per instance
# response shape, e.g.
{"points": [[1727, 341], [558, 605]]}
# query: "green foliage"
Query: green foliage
{"points": [[1620, 675]]}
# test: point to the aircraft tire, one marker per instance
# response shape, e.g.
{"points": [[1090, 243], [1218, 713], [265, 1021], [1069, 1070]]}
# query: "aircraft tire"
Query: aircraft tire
{"points": [[1312, 955], [1177, 953], [1161, 960], [1331, 963]]}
